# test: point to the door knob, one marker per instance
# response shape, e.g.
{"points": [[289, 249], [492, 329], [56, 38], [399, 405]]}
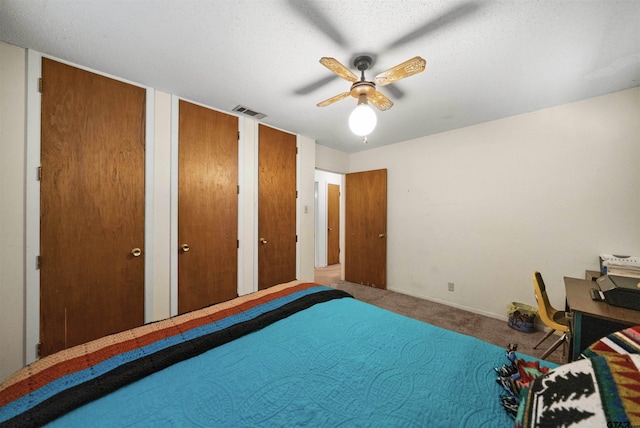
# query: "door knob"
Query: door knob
{"points": [[136, 252], [263, 241], [185, 248], [381, 235]]}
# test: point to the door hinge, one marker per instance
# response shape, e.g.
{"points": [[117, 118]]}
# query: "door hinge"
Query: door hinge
{"points": [[237, 243], [296, 238], [38, 347], [238, 189], [38, 262], [296, 194], [39, 173], [40, 84], [238, 135]]}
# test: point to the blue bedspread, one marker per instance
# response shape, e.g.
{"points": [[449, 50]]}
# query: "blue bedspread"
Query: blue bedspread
{"points": [[337, 363]]}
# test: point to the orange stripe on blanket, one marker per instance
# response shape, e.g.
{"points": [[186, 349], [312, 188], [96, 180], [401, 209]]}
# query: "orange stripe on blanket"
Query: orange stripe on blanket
{"points": [[84, 356]]}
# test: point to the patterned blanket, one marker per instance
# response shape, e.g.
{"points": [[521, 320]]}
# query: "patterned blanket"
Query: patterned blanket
{"points": [[625, 341], [601, 391]]}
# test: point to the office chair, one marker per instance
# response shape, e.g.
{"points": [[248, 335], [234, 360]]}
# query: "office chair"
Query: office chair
{"points": [[554, 319]]}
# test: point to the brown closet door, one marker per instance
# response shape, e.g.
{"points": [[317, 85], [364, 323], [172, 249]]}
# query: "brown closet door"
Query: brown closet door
{"points": [[366, 228], [207, 207], [333, 224], [276, 207], [91, 206]]}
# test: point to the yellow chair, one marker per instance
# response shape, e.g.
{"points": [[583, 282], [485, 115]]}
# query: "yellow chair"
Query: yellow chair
{"points": [[554, 319]]}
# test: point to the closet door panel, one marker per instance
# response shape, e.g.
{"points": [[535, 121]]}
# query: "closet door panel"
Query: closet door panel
{"points": [[92, 206], [207, 207], [276, 207]]}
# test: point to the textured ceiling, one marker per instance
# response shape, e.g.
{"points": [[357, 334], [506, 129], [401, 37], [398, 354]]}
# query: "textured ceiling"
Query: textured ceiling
{"points": [[486, 59]]}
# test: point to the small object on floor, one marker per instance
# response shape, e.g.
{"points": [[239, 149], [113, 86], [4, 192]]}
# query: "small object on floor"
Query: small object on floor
{"points": [[521, 317]]}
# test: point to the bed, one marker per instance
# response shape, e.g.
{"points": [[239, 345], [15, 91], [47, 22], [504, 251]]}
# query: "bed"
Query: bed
{"points": [[297, 354]]}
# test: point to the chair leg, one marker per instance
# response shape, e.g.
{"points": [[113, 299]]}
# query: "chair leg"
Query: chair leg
{"points": [[558, 342], [546, 336]]}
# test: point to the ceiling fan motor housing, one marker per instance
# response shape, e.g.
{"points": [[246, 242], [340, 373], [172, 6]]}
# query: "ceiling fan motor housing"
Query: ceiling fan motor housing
{"points": [[363, 88]]}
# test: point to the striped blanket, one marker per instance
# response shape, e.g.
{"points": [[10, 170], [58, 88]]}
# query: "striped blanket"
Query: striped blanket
{"points": [[61, 382], [625, 341]]}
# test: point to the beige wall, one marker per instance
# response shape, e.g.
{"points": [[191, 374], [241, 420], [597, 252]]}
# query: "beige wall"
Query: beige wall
{"points": [[306, 213], [485, 206], [12, 194], [162, 207], [328, 159]]}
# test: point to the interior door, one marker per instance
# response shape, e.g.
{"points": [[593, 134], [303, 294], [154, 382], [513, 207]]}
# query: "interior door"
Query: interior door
{"points": [[276, 207], [333, 224], [91, 206], [207, 207], [366, 228]]}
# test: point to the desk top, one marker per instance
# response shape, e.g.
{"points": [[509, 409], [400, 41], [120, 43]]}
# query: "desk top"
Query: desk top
{"points": [[579, 299]]}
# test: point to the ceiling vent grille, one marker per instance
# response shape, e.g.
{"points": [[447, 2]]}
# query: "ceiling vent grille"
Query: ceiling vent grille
{"points": [[249, 112]]}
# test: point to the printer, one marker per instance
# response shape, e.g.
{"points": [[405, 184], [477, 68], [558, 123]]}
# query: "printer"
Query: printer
{"points": [[623, 291]]}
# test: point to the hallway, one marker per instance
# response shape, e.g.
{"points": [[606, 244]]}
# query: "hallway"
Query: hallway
{"points": [[328, 275]]}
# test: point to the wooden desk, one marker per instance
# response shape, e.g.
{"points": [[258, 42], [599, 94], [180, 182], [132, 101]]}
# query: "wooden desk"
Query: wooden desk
{"points": [[593, 319]]}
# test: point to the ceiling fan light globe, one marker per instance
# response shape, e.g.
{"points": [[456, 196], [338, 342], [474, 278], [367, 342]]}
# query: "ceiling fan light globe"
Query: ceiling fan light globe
{"points": [[362, 120]]}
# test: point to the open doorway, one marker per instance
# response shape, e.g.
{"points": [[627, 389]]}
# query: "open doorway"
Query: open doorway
{"points": [[329, 226]]}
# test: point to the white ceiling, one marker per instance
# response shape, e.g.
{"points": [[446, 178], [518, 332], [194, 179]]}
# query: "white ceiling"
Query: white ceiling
{"points": [[486, 59]]}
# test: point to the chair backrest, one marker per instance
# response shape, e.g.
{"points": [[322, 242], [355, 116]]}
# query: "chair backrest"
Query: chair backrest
{"points": [[545, 310]]}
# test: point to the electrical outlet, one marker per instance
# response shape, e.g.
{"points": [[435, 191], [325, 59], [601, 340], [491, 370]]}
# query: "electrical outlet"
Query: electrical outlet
{"points": [[450, 285]]}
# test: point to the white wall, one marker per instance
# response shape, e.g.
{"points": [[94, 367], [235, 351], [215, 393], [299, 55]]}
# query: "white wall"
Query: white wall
{"points": [[162, 207], [329, 159], [485, 206], [306, 214], [12, 197]]}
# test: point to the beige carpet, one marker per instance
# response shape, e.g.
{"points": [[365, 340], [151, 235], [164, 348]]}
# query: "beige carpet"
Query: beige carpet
{"points": [[485, 328]]}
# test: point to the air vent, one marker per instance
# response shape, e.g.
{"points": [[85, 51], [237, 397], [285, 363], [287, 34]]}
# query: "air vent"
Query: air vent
{"points": [[249, 112]]}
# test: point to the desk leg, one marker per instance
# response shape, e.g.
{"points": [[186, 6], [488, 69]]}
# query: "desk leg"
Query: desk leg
{"points": [[576, 334]]}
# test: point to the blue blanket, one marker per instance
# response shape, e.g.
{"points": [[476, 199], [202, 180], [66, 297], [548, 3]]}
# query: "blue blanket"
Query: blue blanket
{"points": [[336, 363]]}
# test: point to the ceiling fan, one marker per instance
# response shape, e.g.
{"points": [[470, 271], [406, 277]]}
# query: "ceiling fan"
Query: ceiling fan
{"points": [[363, 120]]}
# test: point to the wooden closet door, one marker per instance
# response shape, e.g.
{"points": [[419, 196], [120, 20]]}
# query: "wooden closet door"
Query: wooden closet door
{"points": [[366, 228], [276, 207], [207, 207], [91, 206]]}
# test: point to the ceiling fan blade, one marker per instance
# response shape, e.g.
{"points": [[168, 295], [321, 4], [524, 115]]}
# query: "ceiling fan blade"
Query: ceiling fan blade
{"points": [[380, 101], [316, 17], [333, 99], [395, 91], [408, 68], [307, 89], [342, 71], [455, 13]]}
